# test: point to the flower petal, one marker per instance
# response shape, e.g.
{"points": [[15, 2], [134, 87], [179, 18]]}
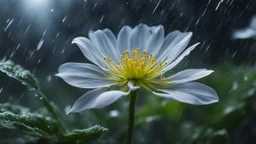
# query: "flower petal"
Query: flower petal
{"points": [[192, 93], [105, 43], [180, 58], [156, 39], [189, 75], [123, 39], [253, 23], [173, 45], [244, 33], [83, 75], [96, 98], [88, 50], [140, 37]]}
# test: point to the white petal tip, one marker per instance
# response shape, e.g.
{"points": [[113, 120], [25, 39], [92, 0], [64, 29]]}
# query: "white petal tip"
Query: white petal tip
{"points": [[132, 87], [75, 40], [57, 75], [244, 33], [210, 71], [196, 44]]}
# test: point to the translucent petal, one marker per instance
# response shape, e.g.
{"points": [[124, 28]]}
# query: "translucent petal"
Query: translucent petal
{"points": [[156, 39], [140, 37], [83, 75], [89, 50], [191, 93], [96, 98], [189, 75], [180, 58], [173, 45], [105, 44], [123, 39]]}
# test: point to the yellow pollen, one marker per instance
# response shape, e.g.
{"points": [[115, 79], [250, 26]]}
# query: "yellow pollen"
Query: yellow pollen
{"points": [[139, 67]]}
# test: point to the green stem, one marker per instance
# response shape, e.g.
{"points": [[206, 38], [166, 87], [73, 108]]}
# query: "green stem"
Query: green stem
{"points": [[51, 110], [131, 117]]}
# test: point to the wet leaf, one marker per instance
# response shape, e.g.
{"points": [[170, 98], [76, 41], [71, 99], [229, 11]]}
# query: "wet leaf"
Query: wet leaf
{"points": [[23, 115], [20, 125], [19, 73], [85, 135]]}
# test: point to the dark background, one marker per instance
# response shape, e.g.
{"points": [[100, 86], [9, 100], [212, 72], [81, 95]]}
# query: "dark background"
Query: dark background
{"points": [[24, 24], [58, 22]]}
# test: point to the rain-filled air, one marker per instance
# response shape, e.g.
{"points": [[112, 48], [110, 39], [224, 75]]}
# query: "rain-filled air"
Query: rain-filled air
{"points": [[127, 72]]}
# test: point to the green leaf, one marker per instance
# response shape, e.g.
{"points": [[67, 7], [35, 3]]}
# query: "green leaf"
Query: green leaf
{"points": [[26, 78], [85, 135], [20, 125], [18, 73], [23, 115]]}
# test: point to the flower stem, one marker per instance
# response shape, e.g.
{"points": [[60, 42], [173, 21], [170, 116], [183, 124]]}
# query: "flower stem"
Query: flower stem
{"points": [[51, 110], [131, 117]]}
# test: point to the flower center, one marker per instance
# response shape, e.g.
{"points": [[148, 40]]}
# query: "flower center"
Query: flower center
{"points": [[135, 66]]}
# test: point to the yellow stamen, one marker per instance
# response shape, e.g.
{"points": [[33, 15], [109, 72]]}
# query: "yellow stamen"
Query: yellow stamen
{"points": [[136, 66]]}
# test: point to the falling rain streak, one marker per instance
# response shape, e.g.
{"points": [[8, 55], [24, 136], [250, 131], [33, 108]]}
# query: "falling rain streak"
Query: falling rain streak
{"points": [[40, 44], [8, 25]]}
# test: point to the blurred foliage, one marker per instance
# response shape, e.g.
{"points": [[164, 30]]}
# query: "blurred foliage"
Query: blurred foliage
{"points": [[20, 125]]}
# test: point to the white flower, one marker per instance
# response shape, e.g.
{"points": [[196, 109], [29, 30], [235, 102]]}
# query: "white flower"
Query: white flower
{"points": [[247, 32], [136, 58]]}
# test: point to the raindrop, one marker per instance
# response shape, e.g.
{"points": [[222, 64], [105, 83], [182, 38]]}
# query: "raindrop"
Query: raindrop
{"points": [[234, 85], [150, 118], [63, 20], [221, 1], [27, 30], [234, 54], [94, 7], [12, 54], [10, 22], [101, 18], [48, 118], [251, 92], [57, 35], [156, 6], [41, 98], [229, 110], [114, 113], [245, 78], [40, 44], [20, 22], [63, 51], [44, 33], [52, 10], [67, 108], [49, 78], [18, 46]]}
